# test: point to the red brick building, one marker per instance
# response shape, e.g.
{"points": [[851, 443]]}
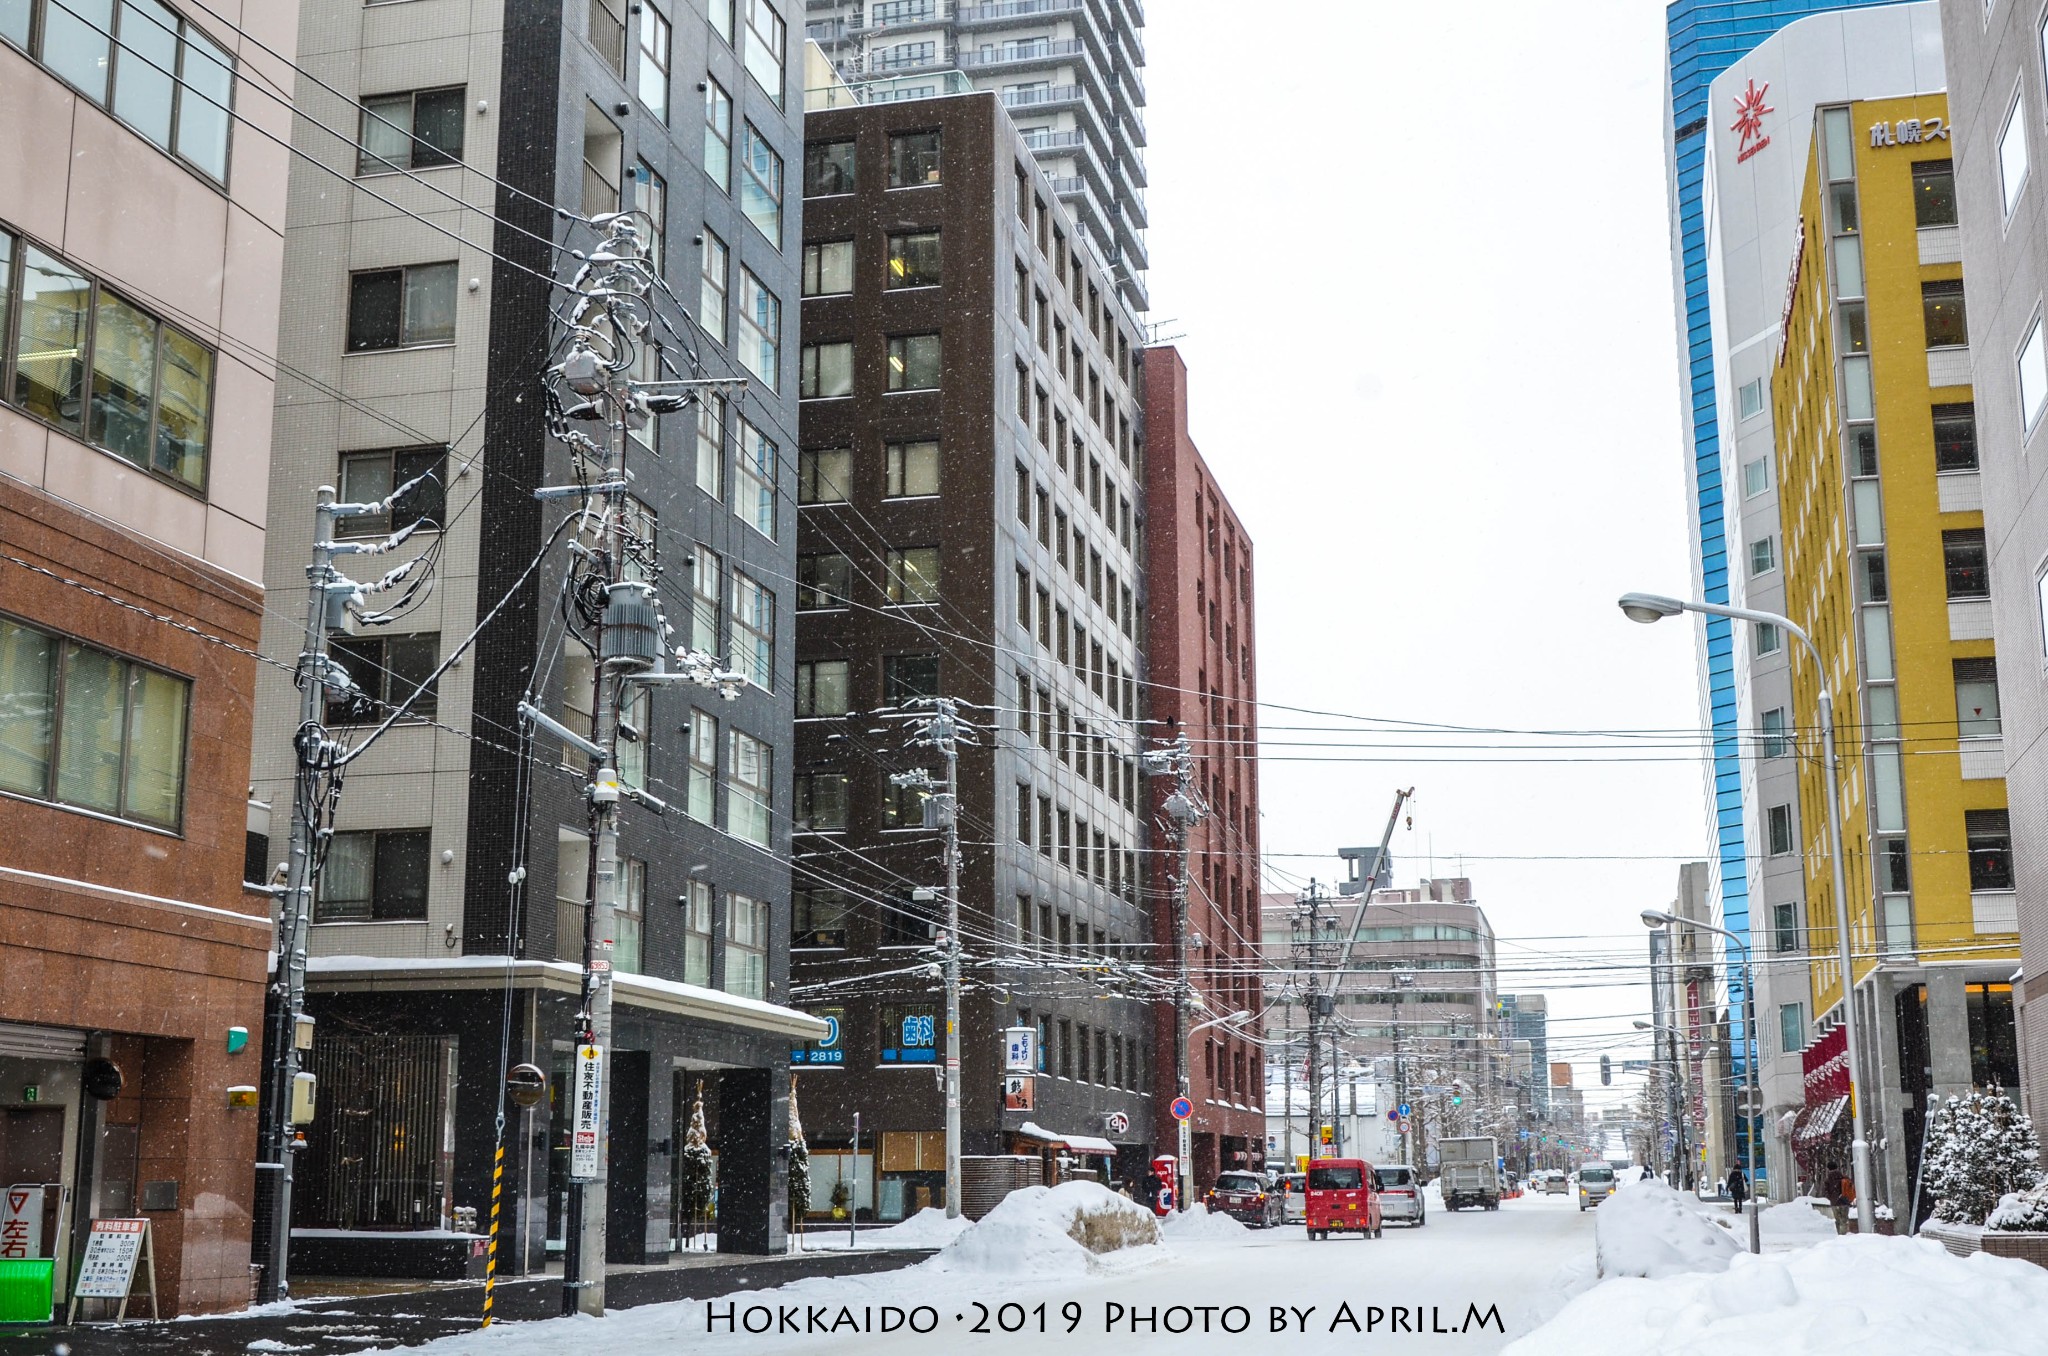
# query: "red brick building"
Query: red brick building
{"points": [[1199, 644]]}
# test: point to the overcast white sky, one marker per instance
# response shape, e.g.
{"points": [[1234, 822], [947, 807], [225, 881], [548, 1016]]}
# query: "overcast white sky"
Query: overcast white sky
{"points": [[1418, 258]]}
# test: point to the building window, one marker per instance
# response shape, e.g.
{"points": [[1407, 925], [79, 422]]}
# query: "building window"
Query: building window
{"points": [[371, 477], [1791, 1028], [907, 677], [760, 330], [1784, 928], [826, 372], [715, 264], [1955, 437], [650, 196], [703, 774], [400, 307], [2012, 154], [1994, 1038], [754, 499], [1764, 638], [386, 672], [706, 601], [1756, 477], [913, 574], [169, 83], [746, 946], [913, 362], [823, 475], [902, 806], [913, 159], [1776, 741], [604, 162], [1963, 557], [822, 688], [766, 41], [1778, 824], [761, 184], [374, 877], [151, 396], [629, 916], [828, 168], [655, 44], [607, 33], [818, 919], [718, 134], [1750, 398], [1941, 306], [697, 931], [914, 260], [1934, 193], [414, 131], [912, 470], [820, 802], [83, 727], [823, 582], [749, 786], [1989, 834], [1977, 698], [1763, 556], [753, 631], [828, 268], [2033, 375]]}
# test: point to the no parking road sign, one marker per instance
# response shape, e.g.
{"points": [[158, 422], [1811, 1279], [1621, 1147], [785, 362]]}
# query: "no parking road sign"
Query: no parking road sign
{"points": [[1182, 1108]]}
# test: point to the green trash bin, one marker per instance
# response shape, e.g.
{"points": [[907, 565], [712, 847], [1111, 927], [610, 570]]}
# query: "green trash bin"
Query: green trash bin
{"points": [[25, 1284]]}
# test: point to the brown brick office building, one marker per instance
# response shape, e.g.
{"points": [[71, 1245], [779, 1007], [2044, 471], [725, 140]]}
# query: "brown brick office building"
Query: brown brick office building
{"points": [[971, 523], [1199, 643], [138, 334]]}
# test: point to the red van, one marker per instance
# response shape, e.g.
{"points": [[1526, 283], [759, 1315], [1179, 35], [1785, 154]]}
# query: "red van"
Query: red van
{"points": [[1342, 1198]]}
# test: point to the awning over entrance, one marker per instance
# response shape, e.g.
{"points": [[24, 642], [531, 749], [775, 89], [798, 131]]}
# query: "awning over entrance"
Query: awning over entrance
{"points": [[1080, 1144], [1821, 1121], [378, 974]]}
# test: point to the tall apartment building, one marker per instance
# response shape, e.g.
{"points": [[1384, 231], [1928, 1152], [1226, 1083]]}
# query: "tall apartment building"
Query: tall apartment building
{"points": [[1885, 563], [138, 333], [1204, 685], [1703, 38], [1526, 1017], [1998, 96], [1067, 71], [435, 136], [972, 525], [1754, 164]]}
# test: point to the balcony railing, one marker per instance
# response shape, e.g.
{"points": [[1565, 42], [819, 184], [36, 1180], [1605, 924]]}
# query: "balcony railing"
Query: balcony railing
{"points": [[1013, 9], [1049, 94], [994, 58], [1054, 141]]}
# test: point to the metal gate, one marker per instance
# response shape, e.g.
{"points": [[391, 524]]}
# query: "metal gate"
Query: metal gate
{"points": [[377, 1157]]}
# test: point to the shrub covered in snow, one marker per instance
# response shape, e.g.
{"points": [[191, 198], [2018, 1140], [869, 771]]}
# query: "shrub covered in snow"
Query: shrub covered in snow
{"points": [[1058, 1230], [1980, 1149], [1647, 1230], [2021, 1212]]}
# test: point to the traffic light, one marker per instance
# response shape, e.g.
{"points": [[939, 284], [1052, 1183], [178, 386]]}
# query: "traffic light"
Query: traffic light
{"points": [[1606, 1070]]}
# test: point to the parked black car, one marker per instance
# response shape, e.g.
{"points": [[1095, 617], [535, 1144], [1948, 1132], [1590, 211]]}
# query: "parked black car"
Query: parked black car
{"points": [[1243, 1196]]}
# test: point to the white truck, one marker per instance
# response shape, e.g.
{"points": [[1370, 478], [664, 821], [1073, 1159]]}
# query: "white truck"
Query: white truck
{"points": [[1470, 1172]]}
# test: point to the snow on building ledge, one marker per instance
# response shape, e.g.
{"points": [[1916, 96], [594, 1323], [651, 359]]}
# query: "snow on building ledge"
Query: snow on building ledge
{"points": [[381, 974]]}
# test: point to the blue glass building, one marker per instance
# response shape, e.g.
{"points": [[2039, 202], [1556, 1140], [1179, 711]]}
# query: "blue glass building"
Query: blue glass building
{"points": [[1704, 38]]}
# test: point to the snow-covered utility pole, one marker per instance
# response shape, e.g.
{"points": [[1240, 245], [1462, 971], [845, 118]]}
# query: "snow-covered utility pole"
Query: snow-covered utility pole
{"points": [[1183, 809], [615, 562], [941, 730], [331, 599]]}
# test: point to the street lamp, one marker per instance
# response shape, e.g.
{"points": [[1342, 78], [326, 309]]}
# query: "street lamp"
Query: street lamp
{"points": [[1659, 918], [1650, 607]]}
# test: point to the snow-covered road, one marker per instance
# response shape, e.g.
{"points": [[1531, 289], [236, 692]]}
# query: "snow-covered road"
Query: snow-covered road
{"points": [[1484, 1277]]}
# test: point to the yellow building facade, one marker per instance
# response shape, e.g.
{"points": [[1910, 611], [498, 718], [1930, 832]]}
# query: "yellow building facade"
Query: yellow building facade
{"points": [[1885, 567]]}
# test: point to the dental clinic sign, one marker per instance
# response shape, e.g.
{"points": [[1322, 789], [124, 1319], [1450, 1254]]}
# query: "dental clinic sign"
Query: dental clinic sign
{"points": [[1910, 132]]}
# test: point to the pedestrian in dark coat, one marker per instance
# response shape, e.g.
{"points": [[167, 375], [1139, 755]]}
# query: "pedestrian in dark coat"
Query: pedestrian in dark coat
{"points": [[1738, 1187]]}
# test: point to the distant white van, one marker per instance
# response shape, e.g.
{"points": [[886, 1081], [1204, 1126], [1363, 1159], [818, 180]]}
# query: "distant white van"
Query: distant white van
{"points": [[1596, 1183]]}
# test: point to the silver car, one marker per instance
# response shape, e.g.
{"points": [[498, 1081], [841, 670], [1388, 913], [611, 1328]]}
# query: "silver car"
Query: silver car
{"points": [[1295, 1204], [1401, 1194]]}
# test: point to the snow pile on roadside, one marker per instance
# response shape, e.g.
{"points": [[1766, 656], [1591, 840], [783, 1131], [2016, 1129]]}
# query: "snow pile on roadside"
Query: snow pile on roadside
{"points": [[1846, 1294], [1199, 1226], [1050, 1231], [928, 1228], [1645, 1229], [1795, 1223]]}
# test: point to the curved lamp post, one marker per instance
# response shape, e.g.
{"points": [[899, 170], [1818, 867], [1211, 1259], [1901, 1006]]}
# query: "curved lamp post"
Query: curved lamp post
{"points": [[1651, 607]]}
